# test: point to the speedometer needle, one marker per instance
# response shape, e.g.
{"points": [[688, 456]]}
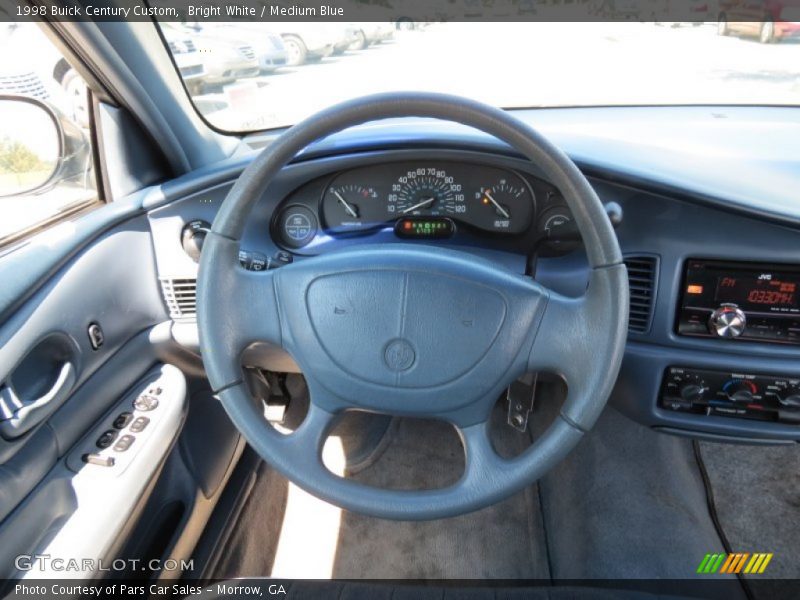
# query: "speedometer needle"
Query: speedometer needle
{"points": [[419, 205], [347, 206], [499, 208]]}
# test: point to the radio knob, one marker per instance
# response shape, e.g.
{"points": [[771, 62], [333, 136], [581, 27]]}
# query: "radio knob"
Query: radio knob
{"points": [[728, 321]]}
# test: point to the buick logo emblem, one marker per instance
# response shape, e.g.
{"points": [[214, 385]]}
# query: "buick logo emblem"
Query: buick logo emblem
{"points": [[399, 355]]}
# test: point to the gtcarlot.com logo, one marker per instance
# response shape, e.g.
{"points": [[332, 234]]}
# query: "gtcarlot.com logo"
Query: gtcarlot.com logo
{"points": [[735, 562], [46, 562]]}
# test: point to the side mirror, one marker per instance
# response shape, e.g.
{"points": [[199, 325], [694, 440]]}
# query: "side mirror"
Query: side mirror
{"points": [[33, 145]]}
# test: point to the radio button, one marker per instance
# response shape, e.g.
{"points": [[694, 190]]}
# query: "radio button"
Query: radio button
{"points": [[727, 321]]}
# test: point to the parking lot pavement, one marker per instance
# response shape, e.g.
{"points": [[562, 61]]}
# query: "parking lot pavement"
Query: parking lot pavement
{"points": [[533, 64]]}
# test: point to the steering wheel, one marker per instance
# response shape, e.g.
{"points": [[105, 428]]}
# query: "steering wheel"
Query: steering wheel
{"points": [[412, 330]]}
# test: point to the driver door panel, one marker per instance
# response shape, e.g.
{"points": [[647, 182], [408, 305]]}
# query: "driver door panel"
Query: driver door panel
{"points": [[55, 387]]}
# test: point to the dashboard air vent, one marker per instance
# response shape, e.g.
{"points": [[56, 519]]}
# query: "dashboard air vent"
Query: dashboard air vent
{"points": [[180, 296], [642, 272]]}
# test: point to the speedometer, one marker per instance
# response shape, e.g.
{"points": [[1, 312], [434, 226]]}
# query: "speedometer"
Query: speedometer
{"points": [[426, 191]]}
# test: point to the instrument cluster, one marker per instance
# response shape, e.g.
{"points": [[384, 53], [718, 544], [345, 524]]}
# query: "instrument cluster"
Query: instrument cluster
{"points": [[417, 200]]}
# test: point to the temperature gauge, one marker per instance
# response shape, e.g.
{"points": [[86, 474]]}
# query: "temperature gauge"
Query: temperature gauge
{"points": [[349, 207]]}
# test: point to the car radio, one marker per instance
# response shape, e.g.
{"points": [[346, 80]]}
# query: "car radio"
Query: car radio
{"points": [[722, 393], [741, 301]]}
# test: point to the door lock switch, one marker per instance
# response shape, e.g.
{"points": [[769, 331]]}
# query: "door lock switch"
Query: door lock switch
{"points": [[106, 439], [122, 420], [96, 336]]}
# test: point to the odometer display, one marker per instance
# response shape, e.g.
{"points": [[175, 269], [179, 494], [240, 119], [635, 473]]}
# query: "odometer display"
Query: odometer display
{"points": [[421, 228]]}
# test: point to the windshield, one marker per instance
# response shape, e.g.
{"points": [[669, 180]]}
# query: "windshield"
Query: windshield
{"points": [[248, 75]]}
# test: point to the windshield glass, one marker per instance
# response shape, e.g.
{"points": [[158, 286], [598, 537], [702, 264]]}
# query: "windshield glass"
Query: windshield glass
{"points": [[254, 75]]}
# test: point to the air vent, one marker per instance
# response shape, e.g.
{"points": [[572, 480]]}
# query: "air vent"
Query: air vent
{"points": [[181, 297], [642, 272]]}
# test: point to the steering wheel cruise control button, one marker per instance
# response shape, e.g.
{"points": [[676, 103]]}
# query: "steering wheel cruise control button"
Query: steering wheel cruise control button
{"points": [[145, 403]]}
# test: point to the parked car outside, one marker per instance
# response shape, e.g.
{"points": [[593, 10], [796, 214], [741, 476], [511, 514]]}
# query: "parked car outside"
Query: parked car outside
{"points": [[368, 33], [188, 60], [227, 52], [307, 41], [769, 21], [346, 35]]}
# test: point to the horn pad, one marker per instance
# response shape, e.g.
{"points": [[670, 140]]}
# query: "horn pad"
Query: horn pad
{"points": [[406, 329]]}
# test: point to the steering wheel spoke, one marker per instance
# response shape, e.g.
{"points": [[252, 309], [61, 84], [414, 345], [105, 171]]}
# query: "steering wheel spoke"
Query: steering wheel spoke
{"points": [[310, 436], [573, 338], [250, 313], [482, 461]]}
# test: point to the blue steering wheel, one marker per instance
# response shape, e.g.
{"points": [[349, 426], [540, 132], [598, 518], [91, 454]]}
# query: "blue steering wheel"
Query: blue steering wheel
{"points": [[417, 331]]}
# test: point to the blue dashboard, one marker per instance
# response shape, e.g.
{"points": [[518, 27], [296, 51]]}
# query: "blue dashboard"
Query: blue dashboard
{"points": [[711, 183]]}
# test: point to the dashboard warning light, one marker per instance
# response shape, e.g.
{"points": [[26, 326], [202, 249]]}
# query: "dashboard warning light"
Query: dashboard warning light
{"points": [[694, 289]]}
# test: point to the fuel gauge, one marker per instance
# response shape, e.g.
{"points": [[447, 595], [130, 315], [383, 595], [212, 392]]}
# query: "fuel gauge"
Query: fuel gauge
{"points": [[504, 206]]}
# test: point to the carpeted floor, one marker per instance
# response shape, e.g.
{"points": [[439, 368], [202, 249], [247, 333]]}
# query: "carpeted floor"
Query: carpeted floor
{"points": [[504, 541], [281, 527], [757, 496]]}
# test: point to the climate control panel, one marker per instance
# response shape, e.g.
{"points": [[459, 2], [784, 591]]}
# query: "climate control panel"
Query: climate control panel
{"points": [[730, 394]]}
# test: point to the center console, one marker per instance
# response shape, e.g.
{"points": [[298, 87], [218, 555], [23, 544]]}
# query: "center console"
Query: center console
{"points": [[735, 302]]}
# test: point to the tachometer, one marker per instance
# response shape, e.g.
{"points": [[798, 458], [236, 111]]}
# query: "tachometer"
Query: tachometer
{"points": [[426, 191]]}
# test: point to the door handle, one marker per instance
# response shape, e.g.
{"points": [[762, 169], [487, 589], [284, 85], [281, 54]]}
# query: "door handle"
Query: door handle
{"points": [[19, 415]]}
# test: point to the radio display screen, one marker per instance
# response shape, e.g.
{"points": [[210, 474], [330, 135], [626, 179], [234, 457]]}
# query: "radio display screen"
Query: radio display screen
{"points": [[755, 292], [758, 288]]}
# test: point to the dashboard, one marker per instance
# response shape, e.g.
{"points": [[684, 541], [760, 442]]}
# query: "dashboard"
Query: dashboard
{"points": [[692, 366]]}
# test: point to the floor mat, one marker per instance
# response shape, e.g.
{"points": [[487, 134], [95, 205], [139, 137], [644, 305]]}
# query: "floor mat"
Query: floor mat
{"points": [[757, 497], [628, 502], [284, 532]]}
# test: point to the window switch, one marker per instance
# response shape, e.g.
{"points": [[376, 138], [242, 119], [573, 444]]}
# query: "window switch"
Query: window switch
{"points": [[124, 443], [139, 424]]}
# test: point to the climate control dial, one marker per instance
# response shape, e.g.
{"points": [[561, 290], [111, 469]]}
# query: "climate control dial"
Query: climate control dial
{"points": [[740, 390]]}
